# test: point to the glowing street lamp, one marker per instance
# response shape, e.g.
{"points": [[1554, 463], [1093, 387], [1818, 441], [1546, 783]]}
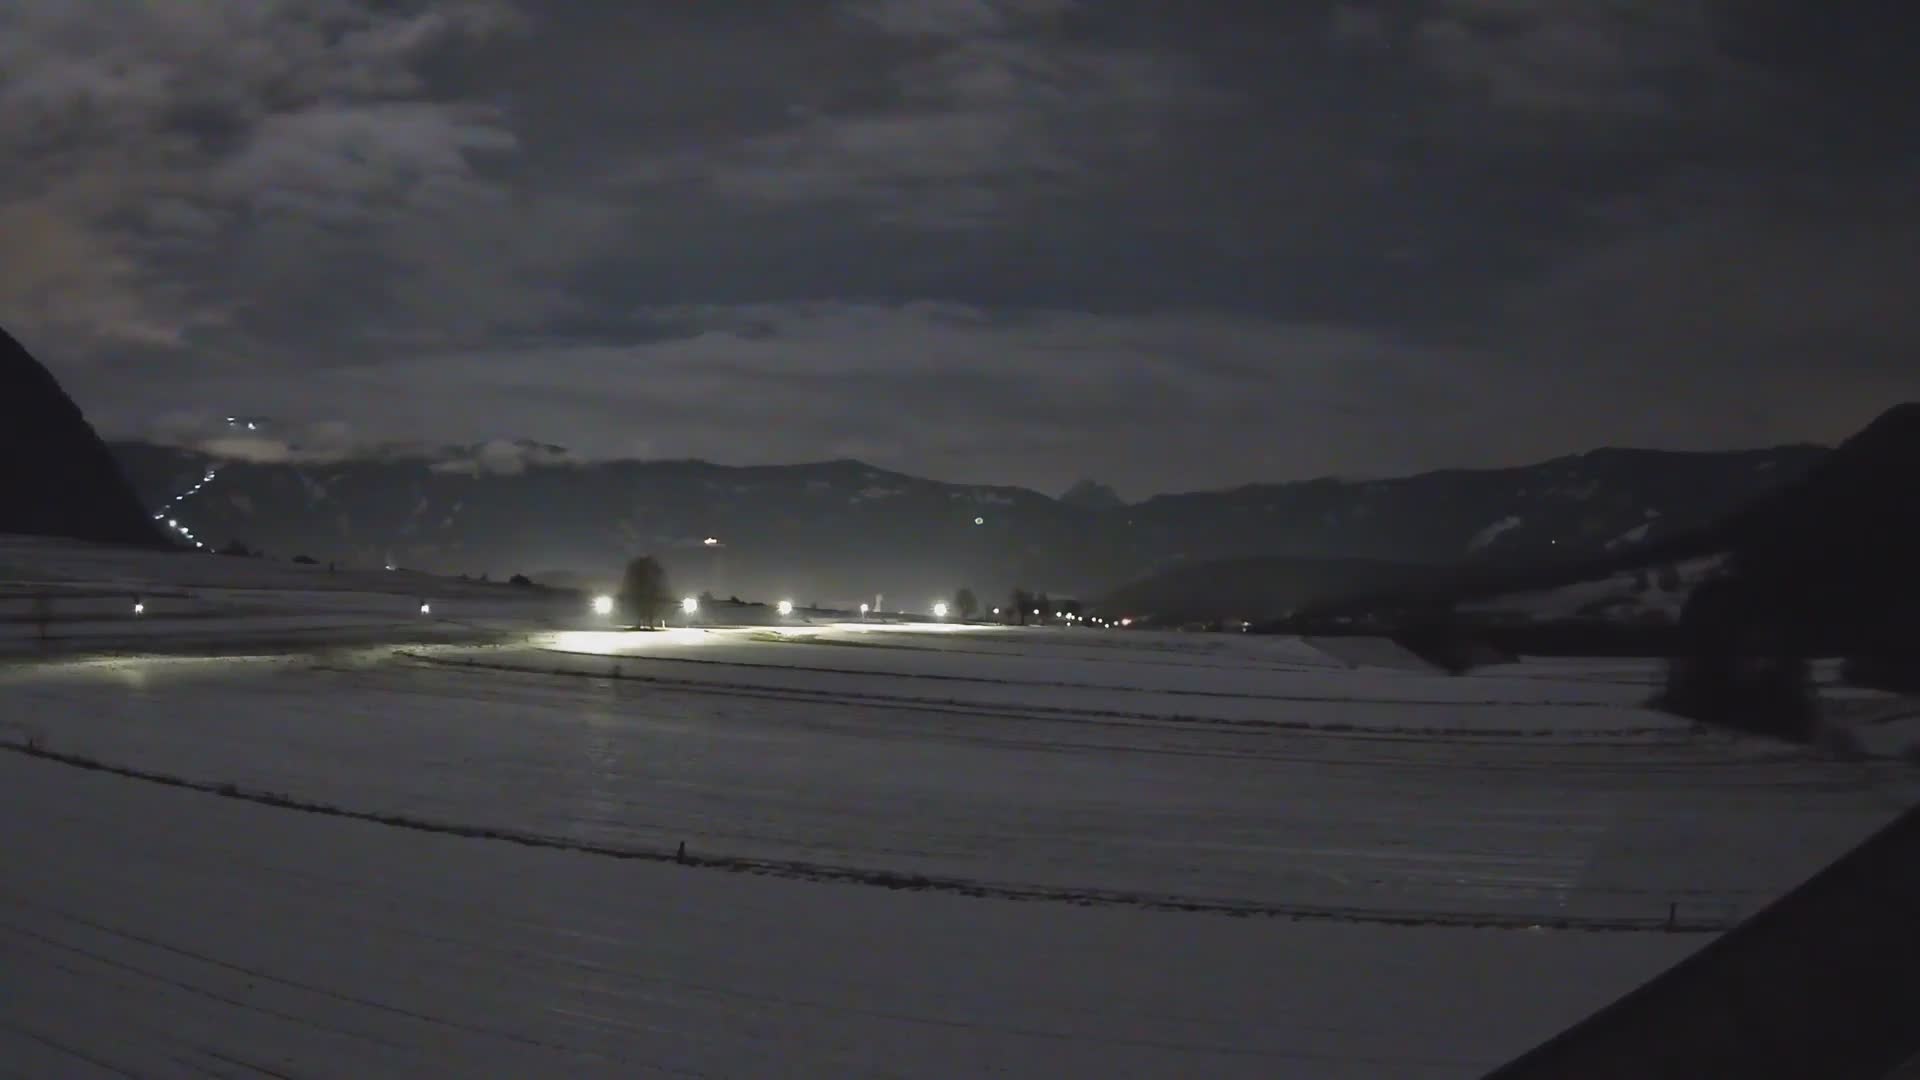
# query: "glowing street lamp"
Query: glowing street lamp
{"points": [[603, 605], [690, 605], [864, 608], [939, 611], [786, 607]]}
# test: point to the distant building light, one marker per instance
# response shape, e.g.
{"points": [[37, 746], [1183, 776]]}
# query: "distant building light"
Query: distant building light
{"points": [[711, 541], [426, 608], [139, 608]]}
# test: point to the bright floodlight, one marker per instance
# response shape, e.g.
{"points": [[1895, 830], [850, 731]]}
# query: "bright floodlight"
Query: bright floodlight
{"points": [[690, 605], [786, 607], [603, 605], [939, 611]]}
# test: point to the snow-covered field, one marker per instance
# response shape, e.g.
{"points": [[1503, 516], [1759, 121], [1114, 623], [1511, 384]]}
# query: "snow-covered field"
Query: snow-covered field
{"points": [[909, 850]]}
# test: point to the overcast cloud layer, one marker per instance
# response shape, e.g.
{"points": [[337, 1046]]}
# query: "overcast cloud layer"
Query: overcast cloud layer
{"points": [[1165, 245]]}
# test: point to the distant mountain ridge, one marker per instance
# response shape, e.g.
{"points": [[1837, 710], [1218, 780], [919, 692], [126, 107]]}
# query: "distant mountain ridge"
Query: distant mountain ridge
{"points": [[844, 530], [56, 476]]}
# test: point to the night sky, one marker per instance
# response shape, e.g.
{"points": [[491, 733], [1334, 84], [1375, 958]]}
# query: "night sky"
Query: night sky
{"points": [[1168, 246]]}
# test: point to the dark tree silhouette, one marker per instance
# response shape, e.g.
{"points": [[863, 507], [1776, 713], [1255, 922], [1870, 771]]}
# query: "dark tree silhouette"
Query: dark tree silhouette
{"points": [[1022, 602], [520, 581], [1740, 663], [967, 604], [644, 594]]}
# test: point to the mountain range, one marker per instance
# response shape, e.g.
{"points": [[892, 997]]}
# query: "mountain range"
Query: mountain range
{"points": [[844, 531]]}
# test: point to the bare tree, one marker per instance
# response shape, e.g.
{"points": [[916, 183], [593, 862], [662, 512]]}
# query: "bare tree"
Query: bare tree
{"points": [[967, 604], [1022, 602], [644, 593]]}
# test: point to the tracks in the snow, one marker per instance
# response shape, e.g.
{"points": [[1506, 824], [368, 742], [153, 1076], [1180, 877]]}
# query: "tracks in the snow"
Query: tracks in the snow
{"points": [[616, 670], [889, 879]]}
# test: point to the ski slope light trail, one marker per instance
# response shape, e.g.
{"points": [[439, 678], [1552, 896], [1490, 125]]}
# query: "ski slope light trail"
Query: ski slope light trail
{"points": [[174, 522]]}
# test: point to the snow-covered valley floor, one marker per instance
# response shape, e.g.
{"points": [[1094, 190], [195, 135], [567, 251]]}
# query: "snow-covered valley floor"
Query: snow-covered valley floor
{"points": [[910, 851]]}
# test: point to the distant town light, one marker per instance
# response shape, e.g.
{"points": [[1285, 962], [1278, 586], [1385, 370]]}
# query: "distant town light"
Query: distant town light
{"points": [[711, 541], [690, 605], [786, 607], [939, 611], [1126, 622], [603, 605]]}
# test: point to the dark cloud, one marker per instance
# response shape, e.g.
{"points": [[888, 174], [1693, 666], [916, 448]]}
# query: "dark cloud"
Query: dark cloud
{"points": [[1012, 240]]}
